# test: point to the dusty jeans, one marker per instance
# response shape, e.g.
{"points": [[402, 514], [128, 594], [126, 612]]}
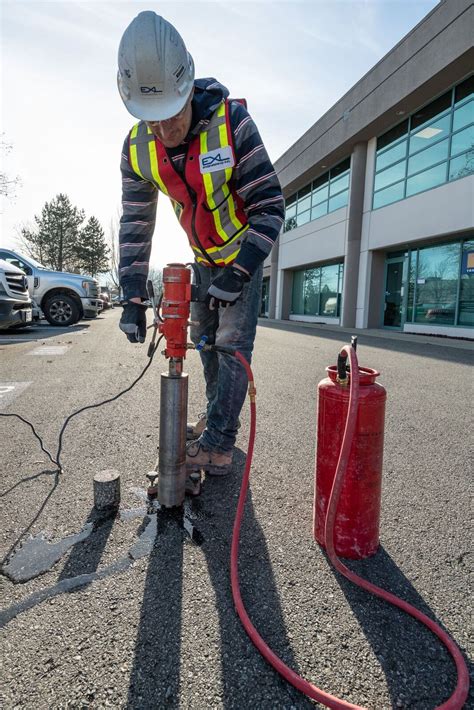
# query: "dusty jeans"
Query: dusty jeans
{"points": [[226, 381]]}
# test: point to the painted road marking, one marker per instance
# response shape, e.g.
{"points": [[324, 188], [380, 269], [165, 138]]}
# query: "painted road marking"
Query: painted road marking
{"points": [[10, 390], [50, 350]]}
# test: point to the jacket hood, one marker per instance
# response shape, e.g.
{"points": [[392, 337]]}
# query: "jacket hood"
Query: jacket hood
{"points": [[208, 94]]}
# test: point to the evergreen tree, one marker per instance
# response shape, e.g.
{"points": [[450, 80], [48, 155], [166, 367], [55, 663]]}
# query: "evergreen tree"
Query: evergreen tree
{"points": [[91, 250], [55, 240]]}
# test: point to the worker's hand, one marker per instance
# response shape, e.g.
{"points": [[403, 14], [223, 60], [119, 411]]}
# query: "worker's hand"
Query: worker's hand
{"points": [[133, 322], [226, 287]]}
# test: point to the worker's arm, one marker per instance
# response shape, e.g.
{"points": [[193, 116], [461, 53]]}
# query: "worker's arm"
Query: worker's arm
{"points": [[256, 183], [137, 224]]}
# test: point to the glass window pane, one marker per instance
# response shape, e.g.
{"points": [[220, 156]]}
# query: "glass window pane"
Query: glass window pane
{"points": [[305, 204], [320, 195], [341, 168], [465, 89], [428, 157], [424, 137], [461, 166], [436, 284], [466, 295], [338, 185], [311, 292], [290, 200], [392, 135], [338, 201], [390, 194], [290, 224], [320, 181], [463, 115], [463, 141], [290, 211], [425, 114], [304, 191], [303, 218], [386, 177], [391, 156], [297, 296], [411, 286], [425, 181], [329, 296], [319, 210]]}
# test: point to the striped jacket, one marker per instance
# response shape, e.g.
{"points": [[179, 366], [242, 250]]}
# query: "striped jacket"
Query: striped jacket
{"points": [[254, 180]]}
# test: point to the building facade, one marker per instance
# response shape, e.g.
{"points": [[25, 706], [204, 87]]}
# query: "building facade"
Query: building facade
{"points": [[379, 224]]}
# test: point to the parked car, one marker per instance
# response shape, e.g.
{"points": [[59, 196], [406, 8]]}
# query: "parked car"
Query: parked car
{"points": [[104, 297], [64, 298], [15, 302]]}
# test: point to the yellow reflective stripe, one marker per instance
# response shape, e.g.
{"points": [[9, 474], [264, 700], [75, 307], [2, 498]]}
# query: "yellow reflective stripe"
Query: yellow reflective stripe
{"points": [[209, 187], [133, 152], [224, 141], [154, 166], [232, 256]]}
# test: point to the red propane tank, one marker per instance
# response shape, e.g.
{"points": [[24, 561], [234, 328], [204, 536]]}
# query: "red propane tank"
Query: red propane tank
{"points": [[356, 530]]}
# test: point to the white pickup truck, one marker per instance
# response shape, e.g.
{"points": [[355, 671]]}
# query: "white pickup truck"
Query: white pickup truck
{"points": [[15, 303], [64, 298]]}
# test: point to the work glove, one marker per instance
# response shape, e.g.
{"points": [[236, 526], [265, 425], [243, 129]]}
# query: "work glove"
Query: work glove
{"points": [[226, 288], [133, 322]]}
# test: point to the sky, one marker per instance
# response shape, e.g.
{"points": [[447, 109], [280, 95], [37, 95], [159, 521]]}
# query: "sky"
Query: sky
{"points": [[64, 119]]}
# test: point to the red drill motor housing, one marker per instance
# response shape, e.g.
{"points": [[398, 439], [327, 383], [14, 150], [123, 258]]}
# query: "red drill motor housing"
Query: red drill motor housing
{"points": [[175, 308]]}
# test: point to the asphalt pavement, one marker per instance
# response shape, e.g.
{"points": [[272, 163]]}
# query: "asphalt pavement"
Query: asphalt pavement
{"points": [[135, 614]]}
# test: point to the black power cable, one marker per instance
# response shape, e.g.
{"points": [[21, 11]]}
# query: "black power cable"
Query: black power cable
{"points": [[57, 460]]}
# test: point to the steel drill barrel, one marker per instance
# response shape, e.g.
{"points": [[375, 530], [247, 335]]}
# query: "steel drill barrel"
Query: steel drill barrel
{"points": [[172, 454]]}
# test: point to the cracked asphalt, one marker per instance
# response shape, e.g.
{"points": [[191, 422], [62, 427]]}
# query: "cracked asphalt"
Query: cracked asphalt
{"points": [[161, 631]]}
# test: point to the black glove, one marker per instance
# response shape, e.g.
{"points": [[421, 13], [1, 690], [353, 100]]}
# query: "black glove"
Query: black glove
{"points": [[226, 287], [133, 322]]}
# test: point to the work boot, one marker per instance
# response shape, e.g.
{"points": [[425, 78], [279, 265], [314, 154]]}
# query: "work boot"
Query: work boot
{"points": [[198, 458], [195, 429]]}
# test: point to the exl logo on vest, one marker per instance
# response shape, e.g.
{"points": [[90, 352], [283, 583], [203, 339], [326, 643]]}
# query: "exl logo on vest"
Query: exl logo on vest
{"points": [[217, 159]]}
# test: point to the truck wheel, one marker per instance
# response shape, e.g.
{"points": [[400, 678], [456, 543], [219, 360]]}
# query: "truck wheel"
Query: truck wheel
{"points": [[61, 310]]}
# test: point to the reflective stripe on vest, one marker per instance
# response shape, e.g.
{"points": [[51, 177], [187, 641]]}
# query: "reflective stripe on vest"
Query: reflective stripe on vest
{"points": [[222, 221]]}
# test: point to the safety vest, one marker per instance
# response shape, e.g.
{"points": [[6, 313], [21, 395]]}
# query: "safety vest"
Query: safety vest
{"points": [[211, 214]]}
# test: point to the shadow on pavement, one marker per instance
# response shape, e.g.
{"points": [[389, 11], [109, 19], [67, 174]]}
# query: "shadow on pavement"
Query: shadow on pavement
{"points": [[419, 670], [461, 355], [247, 680], [38, 332], [85, 556]]}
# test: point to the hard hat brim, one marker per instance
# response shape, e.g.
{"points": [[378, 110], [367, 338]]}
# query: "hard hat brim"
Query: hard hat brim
{"points": [[155, 109]]}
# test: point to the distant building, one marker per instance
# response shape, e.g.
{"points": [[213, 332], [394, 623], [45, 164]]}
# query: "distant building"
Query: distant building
{"points": [[379, 228]]}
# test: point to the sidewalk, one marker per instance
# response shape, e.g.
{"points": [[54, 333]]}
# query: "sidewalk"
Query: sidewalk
{"points": [[380, 333]]}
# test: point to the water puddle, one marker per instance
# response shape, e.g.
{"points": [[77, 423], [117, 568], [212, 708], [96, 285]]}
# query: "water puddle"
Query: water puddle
{"points": [[37, 555]]}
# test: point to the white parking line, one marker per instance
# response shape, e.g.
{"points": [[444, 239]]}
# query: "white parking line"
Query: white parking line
{"points": [[50, 350], [10, 390]]}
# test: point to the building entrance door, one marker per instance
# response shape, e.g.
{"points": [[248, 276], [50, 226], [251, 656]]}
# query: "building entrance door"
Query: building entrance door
{"points": [[394, 292]]}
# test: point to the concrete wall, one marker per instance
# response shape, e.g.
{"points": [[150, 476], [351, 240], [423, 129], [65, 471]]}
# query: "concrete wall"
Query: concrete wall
{"points": [[321, 240]]}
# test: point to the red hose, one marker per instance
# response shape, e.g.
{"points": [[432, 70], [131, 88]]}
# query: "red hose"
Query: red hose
{"points": [[458, 698]]}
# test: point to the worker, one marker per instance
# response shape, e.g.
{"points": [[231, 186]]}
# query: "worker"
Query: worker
{"points": [[204, 152]]}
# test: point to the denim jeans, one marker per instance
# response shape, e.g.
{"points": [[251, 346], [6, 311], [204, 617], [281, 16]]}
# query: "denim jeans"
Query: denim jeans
{"points": [[226, 380]]}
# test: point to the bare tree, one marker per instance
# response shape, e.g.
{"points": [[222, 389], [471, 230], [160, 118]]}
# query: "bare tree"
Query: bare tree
{"points": [[8, 184], [114, 253]]}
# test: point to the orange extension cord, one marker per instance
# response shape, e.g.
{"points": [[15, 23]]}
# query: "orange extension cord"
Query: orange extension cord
{"points": [[458, 698]]}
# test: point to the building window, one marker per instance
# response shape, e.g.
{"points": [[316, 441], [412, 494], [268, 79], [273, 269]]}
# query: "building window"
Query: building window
{"points": [[327, 193], [318, 291], [431, 147], [441, 284]]}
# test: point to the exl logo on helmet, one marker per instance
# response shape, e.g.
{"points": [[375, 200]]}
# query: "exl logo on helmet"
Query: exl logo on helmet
{"points": [[150, 90], [218, 159]]}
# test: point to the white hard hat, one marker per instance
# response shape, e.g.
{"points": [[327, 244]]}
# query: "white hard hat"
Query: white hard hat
{"points": [[156, 72]]}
